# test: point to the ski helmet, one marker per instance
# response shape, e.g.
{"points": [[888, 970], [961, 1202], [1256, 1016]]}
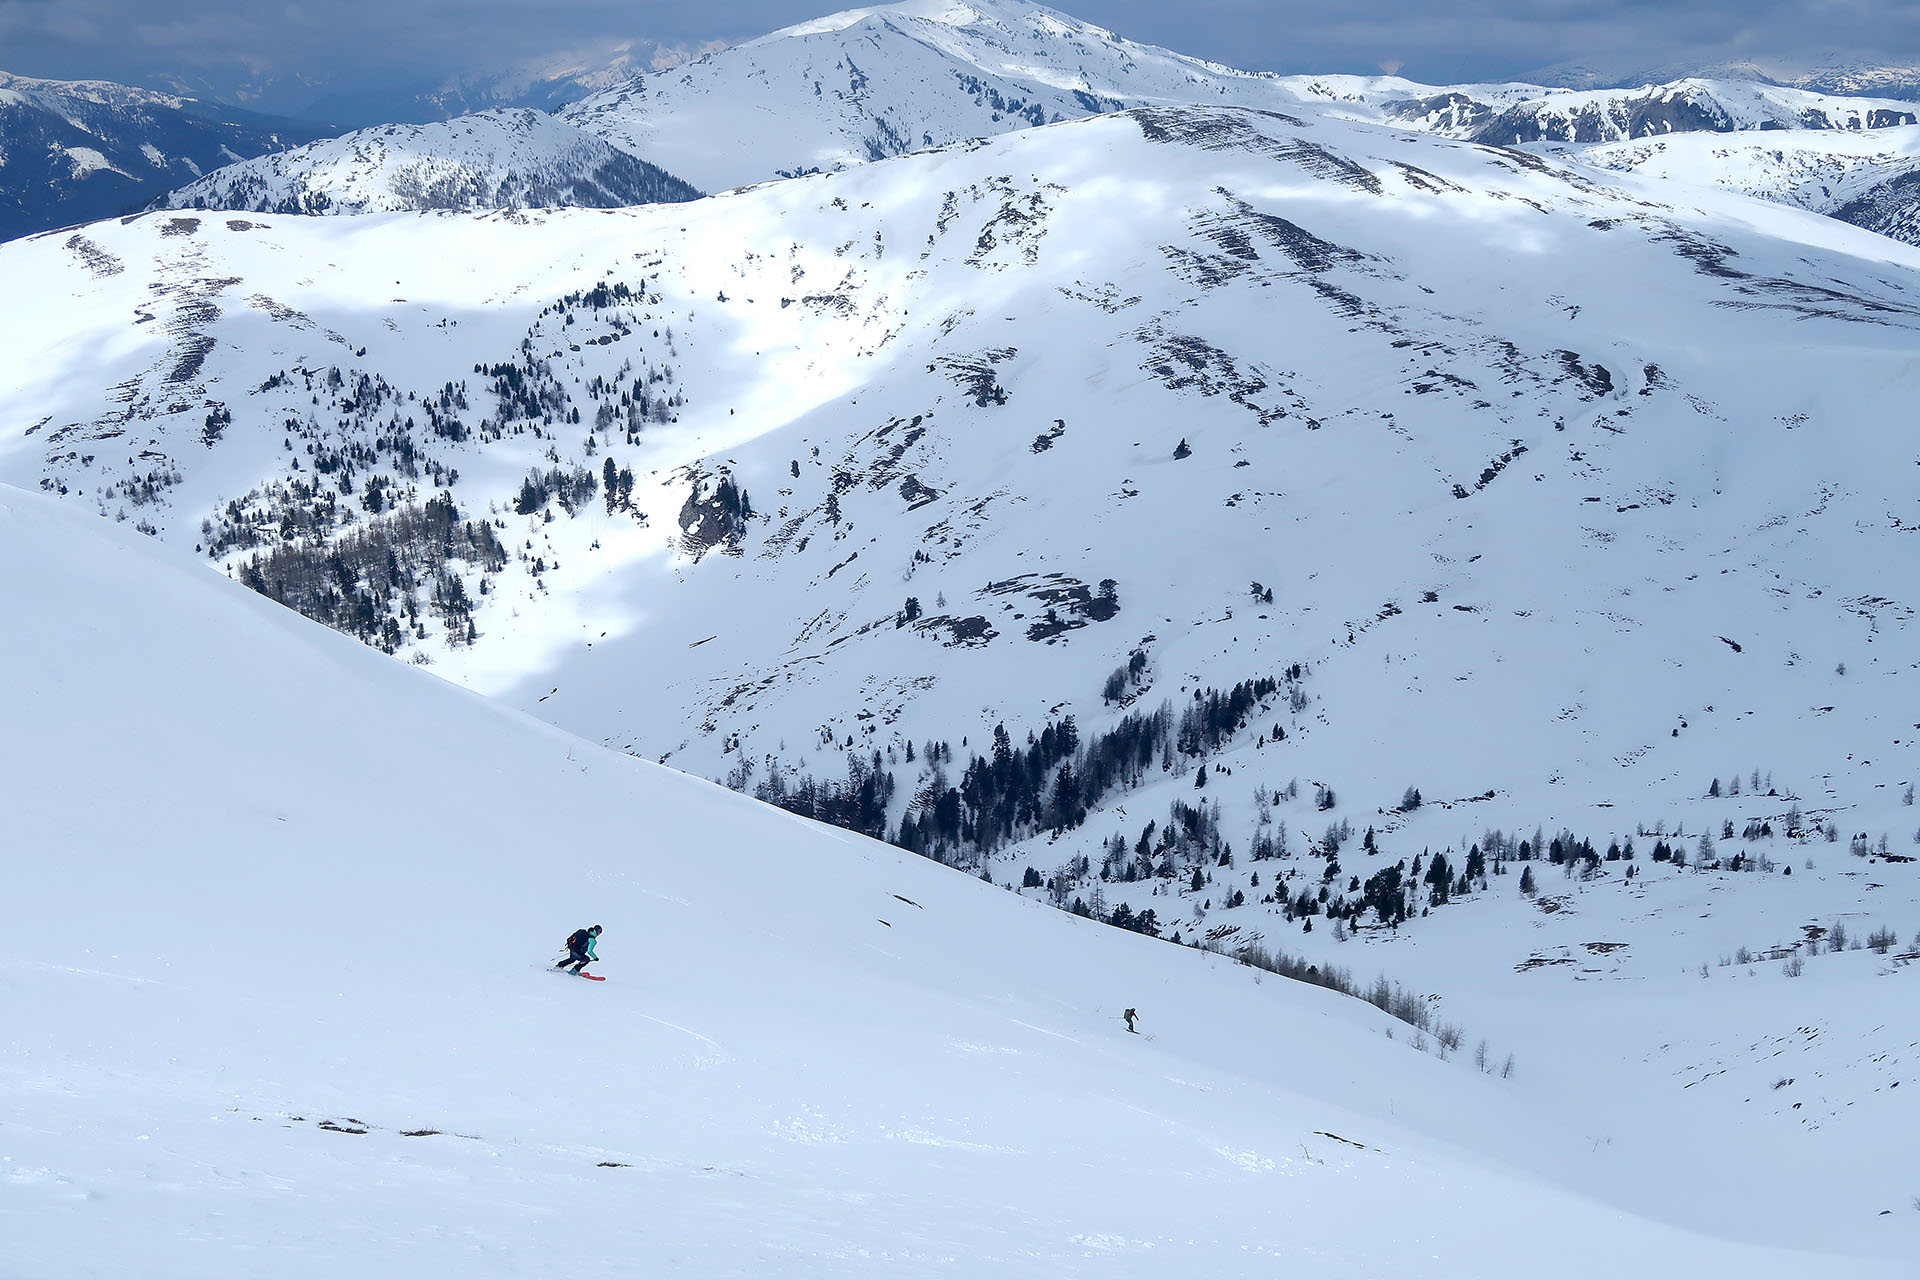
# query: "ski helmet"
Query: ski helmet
{"points": [[595, 929]]}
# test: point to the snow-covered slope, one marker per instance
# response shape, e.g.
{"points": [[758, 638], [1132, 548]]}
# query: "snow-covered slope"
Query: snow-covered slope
{"points": [[1470, 439], [1889, 205], [1865, 178], [491, 160], [1828, 73], [1859, 77], [272, 944], [1517, 113], [74, 151], [1685, 106], [875, 82]]}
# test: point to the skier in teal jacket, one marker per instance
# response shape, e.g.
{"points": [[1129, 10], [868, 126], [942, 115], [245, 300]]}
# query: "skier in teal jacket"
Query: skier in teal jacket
{"points": [[580, 945]]}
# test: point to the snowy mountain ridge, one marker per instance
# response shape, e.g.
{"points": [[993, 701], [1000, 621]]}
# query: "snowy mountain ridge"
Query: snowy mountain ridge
{"points": [[874, 82], [74, 151], [1866, 179], [1825, 74], [489, 160], [1861, 77], [1518, 113], [1692, 105], [804, 455]]}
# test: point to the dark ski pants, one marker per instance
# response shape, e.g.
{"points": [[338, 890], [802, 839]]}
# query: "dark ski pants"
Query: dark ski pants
{"points": [[578, 959]]}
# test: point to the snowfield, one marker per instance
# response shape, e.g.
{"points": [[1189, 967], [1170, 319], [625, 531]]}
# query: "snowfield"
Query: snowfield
{"points": [[269, 1012]]}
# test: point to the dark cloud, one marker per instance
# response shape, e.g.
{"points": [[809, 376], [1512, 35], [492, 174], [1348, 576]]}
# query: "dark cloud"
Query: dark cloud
{"points": [[290, 53]]}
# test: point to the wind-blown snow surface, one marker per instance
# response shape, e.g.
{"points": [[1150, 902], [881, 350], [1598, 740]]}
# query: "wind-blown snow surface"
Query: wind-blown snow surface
{"points": [[491, 160], [275, 917]]}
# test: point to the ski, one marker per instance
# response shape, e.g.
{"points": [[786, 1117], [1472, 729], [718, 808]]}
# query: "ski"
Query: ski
{"points": [[591, 977]]}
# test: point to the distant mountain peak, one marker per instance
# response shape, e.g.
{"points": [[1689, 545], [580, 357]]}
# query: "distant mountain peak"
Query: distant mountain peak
{"points": [[488, 160], [1828, 74]]}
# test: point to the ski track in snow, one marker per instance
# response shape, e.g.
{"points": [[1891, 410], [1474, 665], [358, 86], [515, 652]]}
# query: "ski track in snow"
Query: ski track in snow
{"points": [[716, 1054]]}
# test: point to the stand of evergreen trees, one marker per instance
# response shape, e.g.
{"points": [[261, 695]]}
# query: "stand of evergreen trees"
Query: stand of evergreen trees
{"points": [[574, 487], [343, 535], [857, 803], [372, 576], [1051, 783]]}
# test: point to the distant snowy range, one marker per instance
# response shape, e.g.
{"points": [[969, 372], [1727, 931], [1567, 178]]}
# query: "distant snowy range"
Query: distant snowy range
{"points": [[74, 151], [937, 527]]}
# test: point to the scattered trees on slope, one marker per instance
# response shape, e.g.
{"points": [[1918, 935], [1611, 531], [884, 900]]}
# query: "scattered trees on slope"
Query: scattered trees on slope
{"points": [[372, 576]]}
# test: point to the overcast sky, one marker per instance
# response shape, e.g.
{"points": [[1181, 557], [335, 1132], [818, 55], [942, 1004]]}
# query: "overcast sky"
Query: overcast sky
{"points": [[305, 49]]}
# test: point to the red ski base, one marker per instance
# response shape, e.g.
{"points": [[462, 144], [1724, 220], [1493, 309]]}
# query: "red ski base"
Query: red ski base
{"points": [[591, 977]]}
